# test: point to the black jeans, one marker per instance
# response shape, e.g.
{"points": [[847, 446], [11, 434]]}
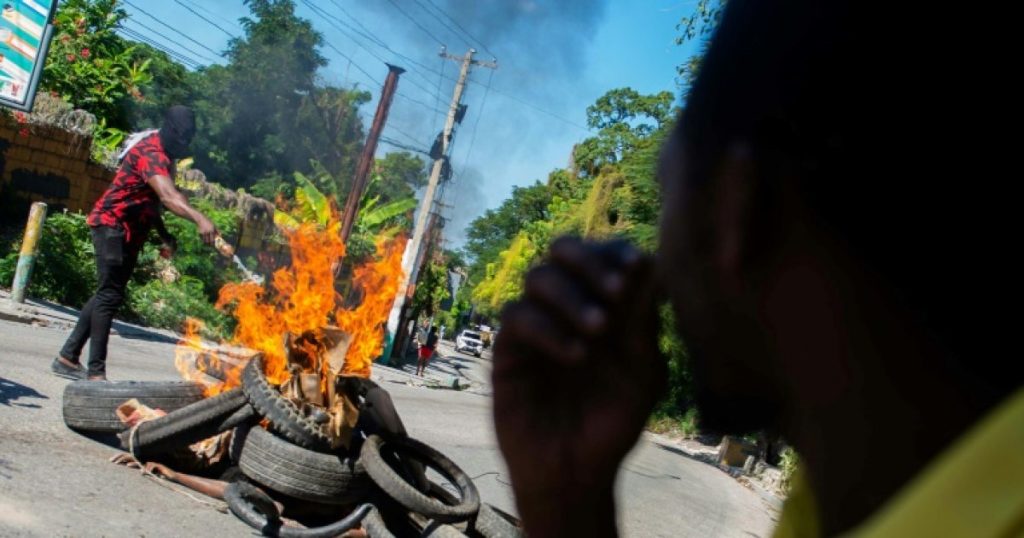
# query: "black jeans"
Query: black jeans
{"points": [[115, 260]]}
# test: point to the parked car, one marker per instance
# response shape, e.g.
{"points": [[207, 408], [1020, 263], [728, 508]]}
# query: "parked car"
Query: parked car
{"points": [[469, 342]]}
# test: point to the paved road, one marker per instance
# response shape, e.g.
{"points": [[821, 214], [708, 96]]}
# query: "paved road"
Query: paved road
{"points": [[54, 482]]}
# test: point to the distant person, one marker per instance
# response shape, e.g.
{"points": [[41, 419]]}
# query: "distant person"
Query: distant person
{"points": [[834, 236], [426, 351], [121, 221]]}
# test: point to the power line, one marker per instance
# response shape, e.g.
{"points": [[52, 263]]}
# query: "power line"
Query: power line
{"points": [[327, 16], [366, 31], [354, 64], [418, 102], [197, 14], [472, 137], [440, 79], [175, 55], [399, 145], [373, 79], [170, 40], [211, 13], [538, 109], [409, 137], [416, 22], [441, 73], [443, 12], [173, 29], [445, 25]]}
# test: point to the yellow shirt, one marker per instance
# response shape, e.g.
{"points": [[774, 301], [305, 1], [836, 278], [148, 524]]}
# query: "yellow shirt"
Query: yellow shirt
{"points": [[973, 490]]}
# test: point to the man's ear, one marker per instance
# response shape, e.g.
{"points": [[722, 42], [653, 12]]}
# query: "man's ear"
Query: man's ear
{"points": [[731, 212]]}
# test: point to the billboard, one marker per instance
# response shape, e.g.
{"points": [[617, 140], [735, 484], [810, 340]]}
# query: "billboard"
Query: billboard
{"points": [[25, 32]]}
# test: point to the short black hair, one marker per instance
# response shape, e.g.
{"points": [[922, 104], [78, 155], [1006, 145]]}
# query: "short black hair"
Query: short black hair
{"points": [[879, 114]]}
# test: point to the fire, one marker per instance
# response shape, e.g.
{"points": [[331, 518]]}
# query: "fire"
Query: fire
{"points": [[301, 300], [201, 364]]}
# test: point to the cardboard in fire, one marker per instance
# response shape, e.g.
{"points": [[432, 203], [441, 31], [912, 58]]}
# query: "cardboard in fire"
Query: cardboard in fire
{"points": [[25, 32]]}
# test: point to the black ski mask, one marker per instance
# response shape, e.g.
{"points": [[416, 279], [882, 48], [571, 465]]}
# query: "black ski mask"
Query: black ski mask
{"points": [[178, 130]]}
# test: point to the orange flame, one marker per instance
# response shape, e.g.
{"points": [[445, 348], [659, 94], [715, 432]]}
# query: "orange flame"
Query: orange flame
{"points": [[302, 299], [202, 365], [379, 281]]}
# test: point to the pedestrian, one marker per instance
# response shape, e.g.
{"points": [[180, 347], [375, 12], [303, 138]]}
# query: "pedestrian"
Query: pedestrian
{"points": [[121, 221], [426, 351], [832, 240]]}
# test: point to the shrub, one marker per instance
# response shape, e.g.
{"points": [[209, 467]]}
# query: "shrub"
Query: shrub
{"points": [[166, 305], [64, 271]]}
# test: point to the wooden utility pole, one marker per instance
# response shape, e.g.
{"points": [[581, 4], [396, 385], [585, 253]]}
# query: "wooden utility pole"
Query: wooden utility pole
{"points": [[359, 181], [412, 252]]}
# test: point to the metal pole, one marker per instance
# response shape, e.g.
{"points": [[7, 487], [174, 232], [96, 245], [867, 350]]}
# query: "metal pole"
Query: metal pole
{"points": [[359, 181], [29, 248]]}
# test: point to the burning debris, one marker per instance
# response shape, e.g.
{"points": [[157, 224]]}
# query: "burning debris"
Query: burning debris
{"points": [[286, 415]]}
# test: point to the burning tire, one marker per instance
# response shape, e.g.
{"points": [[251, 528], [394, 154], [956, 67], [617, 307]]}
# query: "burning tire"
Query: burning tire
{"points": [[408, 496], [301, 473], [189, 424], [91, 405], [284, 416]]}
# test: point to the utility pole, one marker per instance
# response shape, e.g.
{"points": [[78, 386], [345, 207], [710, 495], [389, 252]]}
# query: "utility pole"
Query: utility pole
{"points": [[412, 252], [359, 181]]}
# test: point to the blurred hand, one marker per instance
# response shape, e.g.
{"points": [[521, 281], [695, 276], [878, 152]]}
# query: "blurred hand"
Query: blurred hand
{"points": [[169, 246], [207, 231], [577, 372]]}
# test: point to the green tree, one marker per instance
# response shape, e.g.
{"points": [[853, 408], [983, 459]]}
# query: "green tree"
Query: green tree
{"points": [[700, 25], [169, 84], [92, 67], [265, 114], [401, 173], [623, 117], [493, 232]]}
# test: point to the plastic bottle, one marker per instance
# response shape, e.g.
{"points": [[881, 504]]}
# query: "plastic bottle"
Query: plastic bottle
{"points": [[223, 247]]}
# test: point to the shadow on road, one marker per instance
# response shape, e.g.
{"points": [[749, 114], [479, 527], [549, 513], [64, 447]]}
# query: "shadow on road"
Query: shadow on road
{"points": [[11, 392], [131, 332], [703, 458]]}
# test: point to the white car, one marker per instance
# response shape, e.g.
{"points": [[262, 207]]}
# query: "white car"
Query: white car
{"points": [[469, 342]]}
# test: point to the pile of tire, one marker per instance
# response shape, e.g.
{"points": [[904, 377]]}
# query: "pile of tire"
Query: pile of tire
{"points": [[379, 481]]}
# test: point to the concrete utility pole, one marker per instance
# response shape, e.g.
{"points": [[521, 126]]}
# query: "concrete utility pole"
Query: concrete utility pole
{"points": [[359, 181], [413, 249]]}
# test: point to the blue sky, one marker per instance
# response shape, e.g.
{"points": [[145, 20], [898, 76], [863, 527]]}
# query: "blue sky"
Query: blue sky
{"points": [[556, 55]]}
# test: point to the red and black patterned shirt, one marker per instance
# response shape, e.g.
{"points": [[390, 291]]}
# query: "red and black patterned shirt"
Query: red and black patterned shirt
{"points": [[129, 201]]}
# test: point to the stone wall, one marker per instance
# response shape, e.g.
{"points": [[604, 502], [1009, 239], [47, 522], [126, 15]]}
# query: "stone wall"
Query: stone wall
{"points": [[49, 164]]}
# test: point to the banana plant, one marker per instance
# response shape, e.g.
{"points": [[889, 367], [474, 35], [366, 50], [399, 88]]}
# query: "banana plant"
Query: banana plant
{"points": [[313, 206]]}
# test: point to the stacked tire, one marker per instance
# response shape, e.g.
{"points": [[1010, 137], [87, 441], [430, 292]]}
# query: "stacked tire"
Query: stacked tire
{"points": [[293, 457]]}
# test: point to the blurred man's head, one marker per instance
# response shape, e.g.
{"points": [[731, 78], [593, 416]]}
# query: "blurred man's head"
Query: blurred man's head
{"points": [[177, 131], [806, 185]]}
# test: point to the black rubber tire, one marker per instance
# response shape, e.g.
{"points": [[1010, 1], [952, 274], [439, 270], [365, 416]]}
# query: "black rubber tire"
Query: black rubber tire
{"points": [[408, 496], [374, 525], [493, 523], [256, 509], [187, 425], [489, 522], [302, 473], [284, 416], [91, 405], [441, 530]]}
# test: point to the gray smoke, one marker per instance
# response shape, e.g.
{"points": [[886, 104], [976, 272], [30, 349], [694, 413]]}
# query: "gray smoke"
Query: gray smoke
{"points": [[542, 50]]}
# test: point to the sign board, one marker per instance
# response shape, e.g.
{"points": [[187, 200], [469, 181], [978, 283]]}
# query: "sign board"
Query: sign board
{"points": [[25, 32]]}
